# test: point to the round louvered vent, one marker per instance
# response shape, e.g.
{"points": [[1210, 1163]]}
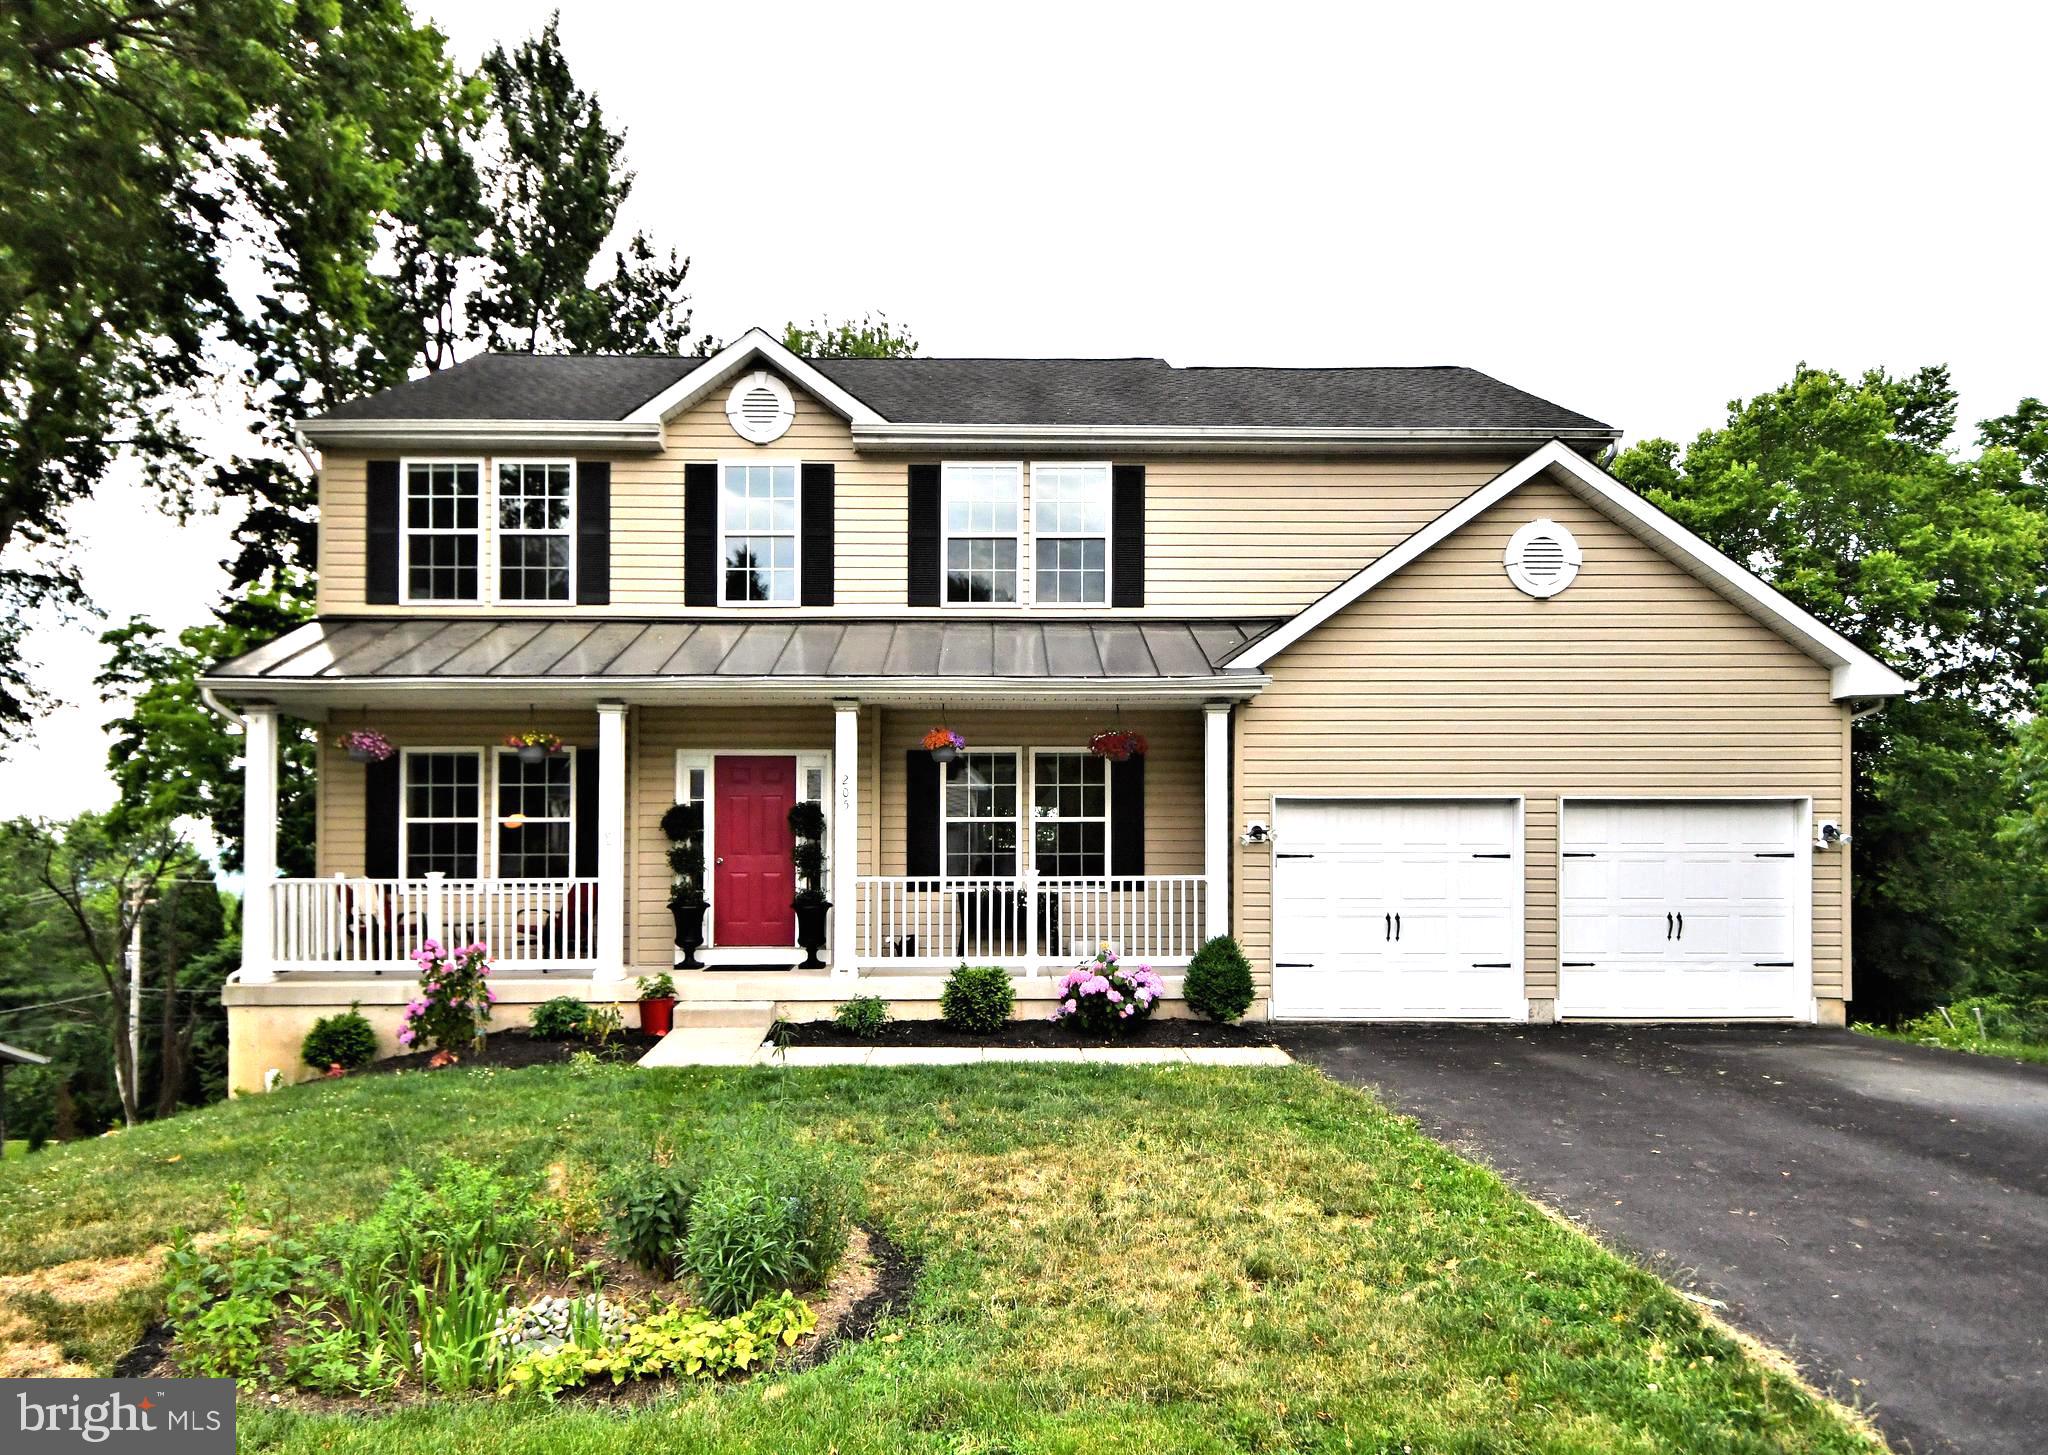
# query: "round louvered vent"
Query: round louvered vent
{"points": [[1542, 558], [759, 408]]}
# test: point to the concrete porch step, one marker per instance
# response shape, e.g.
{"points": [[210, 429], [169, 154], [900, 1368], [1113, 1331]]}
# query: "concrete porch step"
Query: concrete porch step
{"points": [[717, 1034]]}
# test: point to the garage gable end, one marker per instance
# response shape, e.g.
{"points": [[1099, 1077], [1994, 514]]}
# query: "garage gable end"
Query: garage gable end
{"points": [[1854, 673]]}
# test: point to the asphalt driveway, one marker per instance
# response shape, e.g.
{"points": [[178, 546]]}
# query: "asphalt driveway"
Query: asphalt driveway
{"points": [[1879, 1212]]}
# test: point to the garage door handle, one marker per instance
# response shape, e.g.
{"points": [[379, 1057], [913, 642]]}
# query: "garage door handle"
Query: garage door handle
{"points": [[1294, 965], [1294, 856], [1493, 856], [1390, 926], [1667, 924], [1569, 854], [1578, 964], [1786, 854], [1493, 964], [1397, 927], [1774, 964], [1681, 924]]}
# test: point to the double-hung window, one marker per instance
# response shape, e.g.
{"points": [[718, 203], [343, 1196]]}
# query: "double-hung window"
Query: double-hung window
{"points": [[979, 511], [443, 520], [978, 811], [440, 812], [1070, 534], [758, 531], [1069, 815], [536, 816], [536, 514]]}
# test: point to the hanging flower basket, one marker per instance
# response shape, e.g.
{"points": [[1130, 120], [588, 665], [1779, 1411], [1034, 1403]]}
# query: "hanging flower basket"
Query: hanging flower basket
{"points": [[1118, 746], [944, 744], [533, 747], [364, 746]]}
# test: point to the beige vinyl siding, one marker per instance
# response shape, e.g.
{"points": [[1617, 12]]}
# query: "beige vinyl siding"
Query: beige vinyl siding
{"points": [[1224, 536], [1637, 681]]}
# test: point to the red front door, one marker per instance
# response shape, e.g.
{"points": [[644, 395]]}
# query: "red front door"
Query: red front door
{"points": [[751, 886]]}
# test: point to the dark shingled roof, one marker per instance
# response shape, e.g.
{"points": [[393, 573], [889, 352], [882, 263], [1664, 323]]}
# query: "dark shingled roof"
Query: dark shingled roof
{"points": [[1111, 392], [444, 648]]}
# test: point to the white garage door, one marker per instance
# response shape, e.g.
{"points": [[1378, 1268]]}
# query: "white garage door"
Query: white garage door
{"points": [[1677, 909], [1394, 908]]}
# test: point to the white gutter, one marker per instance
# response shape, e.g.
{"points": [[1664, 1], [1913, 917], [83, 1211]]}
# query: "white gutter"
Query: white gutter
{"points": [[352, 691], [617, 436], [1198, 439]]}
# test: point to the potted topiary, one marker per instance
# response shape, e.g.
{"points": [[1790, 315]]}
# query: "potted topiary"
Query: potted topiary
{"points": [[657, 1004], [683, 826], [807, 828]]}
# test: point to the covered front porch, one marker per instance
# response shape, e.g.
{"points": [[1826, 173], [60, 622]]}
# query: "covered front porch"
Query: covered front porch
{"points": [[1027, 851]]}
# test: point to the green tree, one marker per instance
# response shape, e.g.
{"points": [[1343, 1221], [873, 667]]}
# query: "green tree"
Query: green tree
{"points": [[1843, 493], [874, 337]]}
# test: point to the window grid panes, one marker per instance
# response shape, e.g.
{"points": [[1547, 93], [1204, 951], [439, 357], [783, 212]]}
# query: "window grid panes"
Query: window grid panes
{"points": [[442, 805], [535, 511], [442, 523], [980, 509], [980, 815], [1069, 815], [1070, 523], [760, 518], [541, 797]]}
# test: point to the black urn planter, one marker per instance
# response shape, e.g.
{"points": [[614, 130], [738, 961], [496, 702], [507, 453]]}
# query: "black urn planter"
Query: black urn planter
{"points": [[689, 932], [810, 933]]}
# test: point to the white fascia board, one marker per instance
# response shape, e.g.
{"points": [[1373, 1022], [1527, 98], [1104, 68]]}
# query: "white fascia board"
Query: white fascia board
{"points": [[1246, 439], [1855, 672], [754, 344], [613, 436]]}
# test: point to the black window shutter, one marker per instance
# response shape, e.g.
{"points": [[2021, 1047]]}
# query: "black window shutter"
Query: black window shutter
{"points": [[923, 586], [593, 532], [700, 535], [380, 569], [1127, 536], [816, 515], [921, 849], [380, 817], [1127, 816], [586, 813]]}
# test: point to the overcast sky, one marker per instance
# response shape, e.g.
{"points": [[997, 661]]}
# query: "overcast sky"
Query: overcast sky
{"points": [[1633, 213]]}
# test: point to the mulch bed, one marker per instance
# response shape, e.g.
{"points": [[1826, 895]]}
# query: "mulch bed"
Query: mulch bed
{"points": [[1034, 1034], [508, 1050]]}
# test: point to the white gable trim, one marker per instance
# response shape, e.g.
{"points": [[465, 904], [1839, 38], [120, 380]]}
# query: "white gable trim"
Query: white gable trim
{"points": [[1856, 673], [755, 344]]}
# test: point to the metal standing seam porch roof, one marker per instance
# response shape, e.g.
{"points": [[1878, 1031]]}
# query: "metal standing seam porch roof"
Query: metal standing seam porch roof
{"points": [[557, 652]]}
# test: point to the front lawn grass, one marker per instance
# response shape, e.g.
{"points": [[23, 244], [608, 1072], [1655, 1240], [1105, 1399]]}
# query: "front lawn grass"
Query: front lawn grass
{"points": [[1144, 1259]]}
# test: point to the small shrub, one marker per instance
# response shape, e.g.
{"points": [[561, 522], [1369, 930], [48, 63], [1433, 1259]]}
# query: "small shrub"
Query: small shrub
{"points": [[775, 1220], [683, 1341], [1103, 995], [863, 1016], [454, 1000], [650, 1207], [565, 1018], [978, 999], [1219, 983], [603, 1023], [344, 1040]]}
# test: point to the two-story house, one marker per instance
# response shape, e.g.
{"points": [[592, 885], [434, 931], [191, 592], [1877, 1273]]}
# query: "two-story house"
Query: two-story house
{"points": [[1440, 721]]}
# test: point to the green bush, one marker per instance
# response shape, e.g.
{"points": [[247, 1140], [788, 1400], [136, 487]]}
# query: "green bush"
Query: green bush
{"points": [[565, 1018], [1219, 981], [863, 1016], [344, 1040], [650, 1208], [1968, 1022], [774, 1219], [978, 999]]}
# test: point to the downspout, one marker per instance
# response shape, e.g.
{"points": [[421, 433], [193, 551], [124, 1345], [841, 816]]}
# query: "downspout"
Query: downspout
{"points": [[220, 709]]}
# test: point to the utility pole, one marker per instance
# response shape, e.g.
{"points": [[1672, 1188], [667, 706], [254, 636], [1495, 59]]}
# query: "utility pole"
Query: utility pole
{"points": [[131, 1083]]}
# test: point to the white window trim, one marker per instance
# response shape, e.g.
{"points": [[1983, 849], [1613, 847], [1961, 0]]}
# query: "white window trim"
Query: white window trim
{"points": [[796, 534], [498, 533], [492, 822], [1021, 819], [1022, 536], [1030, 808], [486, 510], [1108, 536], [707, 761], [485, 799]]}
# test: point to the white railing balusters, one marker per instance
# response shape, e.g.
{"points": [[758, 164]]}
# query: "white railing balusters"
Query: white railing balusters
{"points": [[1028, 921], [377, 924]]}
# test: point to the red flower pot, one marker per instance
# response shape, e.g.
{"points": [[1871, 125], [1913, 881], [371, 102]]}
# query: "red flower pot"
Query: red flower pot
{"points": [[658, 1016]]}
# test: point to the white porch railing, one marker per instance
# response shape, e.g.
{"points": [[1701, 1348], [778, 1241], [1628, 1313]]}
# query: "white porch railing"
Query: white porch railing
{"points": [[908, 922], [378, 924]]}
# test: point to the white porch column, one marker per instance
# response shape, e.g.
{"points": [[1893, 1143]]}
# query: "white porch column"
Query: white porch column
{"points": [[845, 833], [1216, 816], [259, 842], [611, 840]]}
